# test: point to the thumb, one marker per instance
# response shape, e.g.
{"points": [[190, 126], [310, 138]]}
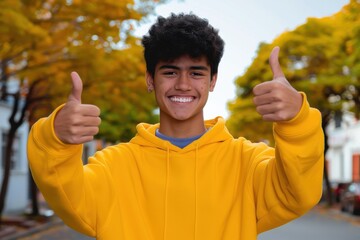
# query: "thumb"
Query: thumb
{"points": [[77, 87], [274, 63]]}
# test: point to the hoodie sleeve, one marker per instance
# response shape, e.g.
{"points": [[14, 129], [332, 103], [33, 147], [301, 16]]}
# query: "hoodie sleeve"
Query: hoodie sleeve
{"points": [[288, 181], [67, 185]]}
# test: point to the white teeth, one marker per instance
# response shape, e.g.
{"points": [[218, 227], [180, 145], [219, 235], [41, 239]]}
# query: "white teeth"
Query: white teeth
{"points": [[181, 99]]}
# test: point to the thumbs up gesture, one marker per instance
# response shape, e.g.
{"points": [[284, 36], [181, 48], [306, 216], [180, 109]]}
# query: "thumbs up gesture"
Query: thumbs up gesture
{"points": [[277, 100], [77, 123]]}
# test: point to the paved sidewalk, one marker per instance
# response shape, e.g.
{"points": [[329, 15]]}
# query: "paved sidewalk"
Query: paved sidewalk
{"points": [[54, 230], [58, 232]]}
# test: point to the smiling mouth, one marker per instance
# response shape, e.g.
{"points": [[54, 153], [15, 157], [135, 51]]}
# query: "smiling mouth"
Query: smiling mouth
{"points": [[181, 99]]}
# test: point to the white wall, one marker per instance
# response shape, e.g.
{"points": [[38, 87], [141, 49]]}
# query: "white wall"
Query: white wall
{"points": [[344, 142]]}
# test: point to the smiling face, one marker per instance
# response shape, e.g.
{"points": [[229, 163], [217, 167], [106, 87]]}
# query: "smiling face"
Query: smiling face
{"points": [[181, 89]]}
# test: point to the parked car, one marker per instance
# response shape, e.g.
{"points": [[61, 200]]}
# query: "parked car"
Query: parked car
{"points": [[350, 199], [339, 189]]}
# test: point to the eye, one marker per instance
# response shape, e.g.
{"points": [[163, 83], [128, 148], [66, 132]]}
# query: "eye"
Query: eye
{"points": [[169, 73], [197, 74]]}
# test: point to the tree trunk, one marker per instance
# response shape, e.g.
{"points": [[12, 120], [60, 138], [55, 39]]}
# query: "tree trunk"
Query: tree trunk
{"points": [[14, 126], [325, 122], [33, 196], [7, 168], [329, 196]]}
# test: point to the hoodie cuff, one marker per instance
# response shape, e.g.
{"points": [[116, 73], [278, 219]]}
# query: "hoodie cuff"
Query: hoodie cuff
{"points": [[45, 133], [306, 120]]}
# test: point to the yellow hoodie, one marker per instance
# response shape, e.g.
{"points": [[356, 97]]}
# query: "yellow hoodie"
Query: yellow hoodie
{"points": [[216, 188]]}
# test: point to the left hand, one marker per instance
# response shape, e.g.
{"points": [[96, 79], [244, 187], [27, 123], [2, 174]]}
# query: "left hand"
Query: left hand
{"points": [[277, 100]]}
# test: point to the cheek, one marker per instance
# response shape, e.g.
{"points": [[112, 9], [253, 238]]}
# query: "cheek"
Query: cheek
{"points": [[204, 86], [161, 87]]}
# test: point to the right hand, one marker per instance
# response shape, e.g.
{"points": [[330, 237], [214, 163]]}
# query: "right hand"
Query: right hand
{"points": [[277, 100], [77, 123]]}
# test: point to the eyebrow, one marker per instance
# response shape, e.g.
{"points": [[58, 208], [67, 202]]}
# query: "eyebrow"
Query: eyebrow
{"points": [[178, 68]]}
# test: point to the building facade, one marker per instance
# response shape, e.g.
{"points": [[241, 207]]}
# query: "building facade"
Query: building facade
{"points": [[343, 156]]}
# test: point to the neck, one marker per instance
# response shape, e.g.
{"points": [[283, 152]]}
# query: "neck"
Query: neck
{"points": [[182, 129]]}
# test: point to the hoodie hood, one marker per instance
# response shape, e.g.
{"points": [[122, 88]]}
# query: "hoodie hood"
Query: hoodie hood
{"points": [[146, 136]]}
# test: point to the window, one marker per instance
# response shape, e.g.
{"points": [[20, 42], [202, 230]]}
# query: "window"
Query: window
{"points": [[15, 154]]}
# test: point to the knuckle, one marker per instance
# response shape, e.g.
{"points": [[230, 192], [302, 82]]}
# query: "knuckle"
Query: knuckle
{"points": [[283, 116], [73, 131], [73, 122], [76, 108], [280, 105], [73, 140], [274, 98]]}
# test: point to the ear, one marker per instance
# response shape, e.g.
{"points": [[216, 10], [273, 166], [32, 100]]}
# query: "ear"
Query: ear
{"points": [[149, 82], [213, 82]]}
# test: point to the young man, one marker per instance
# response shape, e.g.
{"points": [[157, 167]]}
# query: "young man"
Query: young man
{"points": [[184, 178]]}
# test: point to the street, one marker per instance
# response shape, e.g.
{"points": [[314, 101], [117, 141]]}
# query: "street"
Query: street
{"points": [[317, 226]]}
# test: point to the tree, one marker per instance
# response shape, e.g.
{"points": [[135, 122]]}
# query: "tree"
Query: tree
{"points": [[322, 58], [42, 41]]}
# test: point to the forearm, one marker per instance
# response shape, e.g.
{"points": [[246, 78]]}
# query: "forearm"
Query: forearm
{"points": [[58, 172], [289, 182], [300, 154]]}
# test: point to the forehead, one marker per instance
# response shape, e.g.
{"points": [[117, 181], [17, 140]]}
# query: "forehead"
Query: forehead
{"points": [[185, 61]]}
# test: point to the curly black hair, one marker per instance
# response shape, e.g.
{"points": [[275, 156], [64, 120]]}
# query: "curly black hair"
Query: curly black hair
{"points": [[179, 35]]}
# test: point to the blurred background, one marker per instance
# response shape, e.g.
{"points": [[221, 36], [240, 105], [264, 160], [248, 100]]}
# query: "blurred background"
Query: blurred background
{"points": [[41, 42]]}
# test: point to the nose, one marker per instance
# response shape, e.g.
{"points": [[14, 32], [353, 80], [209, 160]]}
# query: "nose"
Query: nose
{"points": [[183, 83]]}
